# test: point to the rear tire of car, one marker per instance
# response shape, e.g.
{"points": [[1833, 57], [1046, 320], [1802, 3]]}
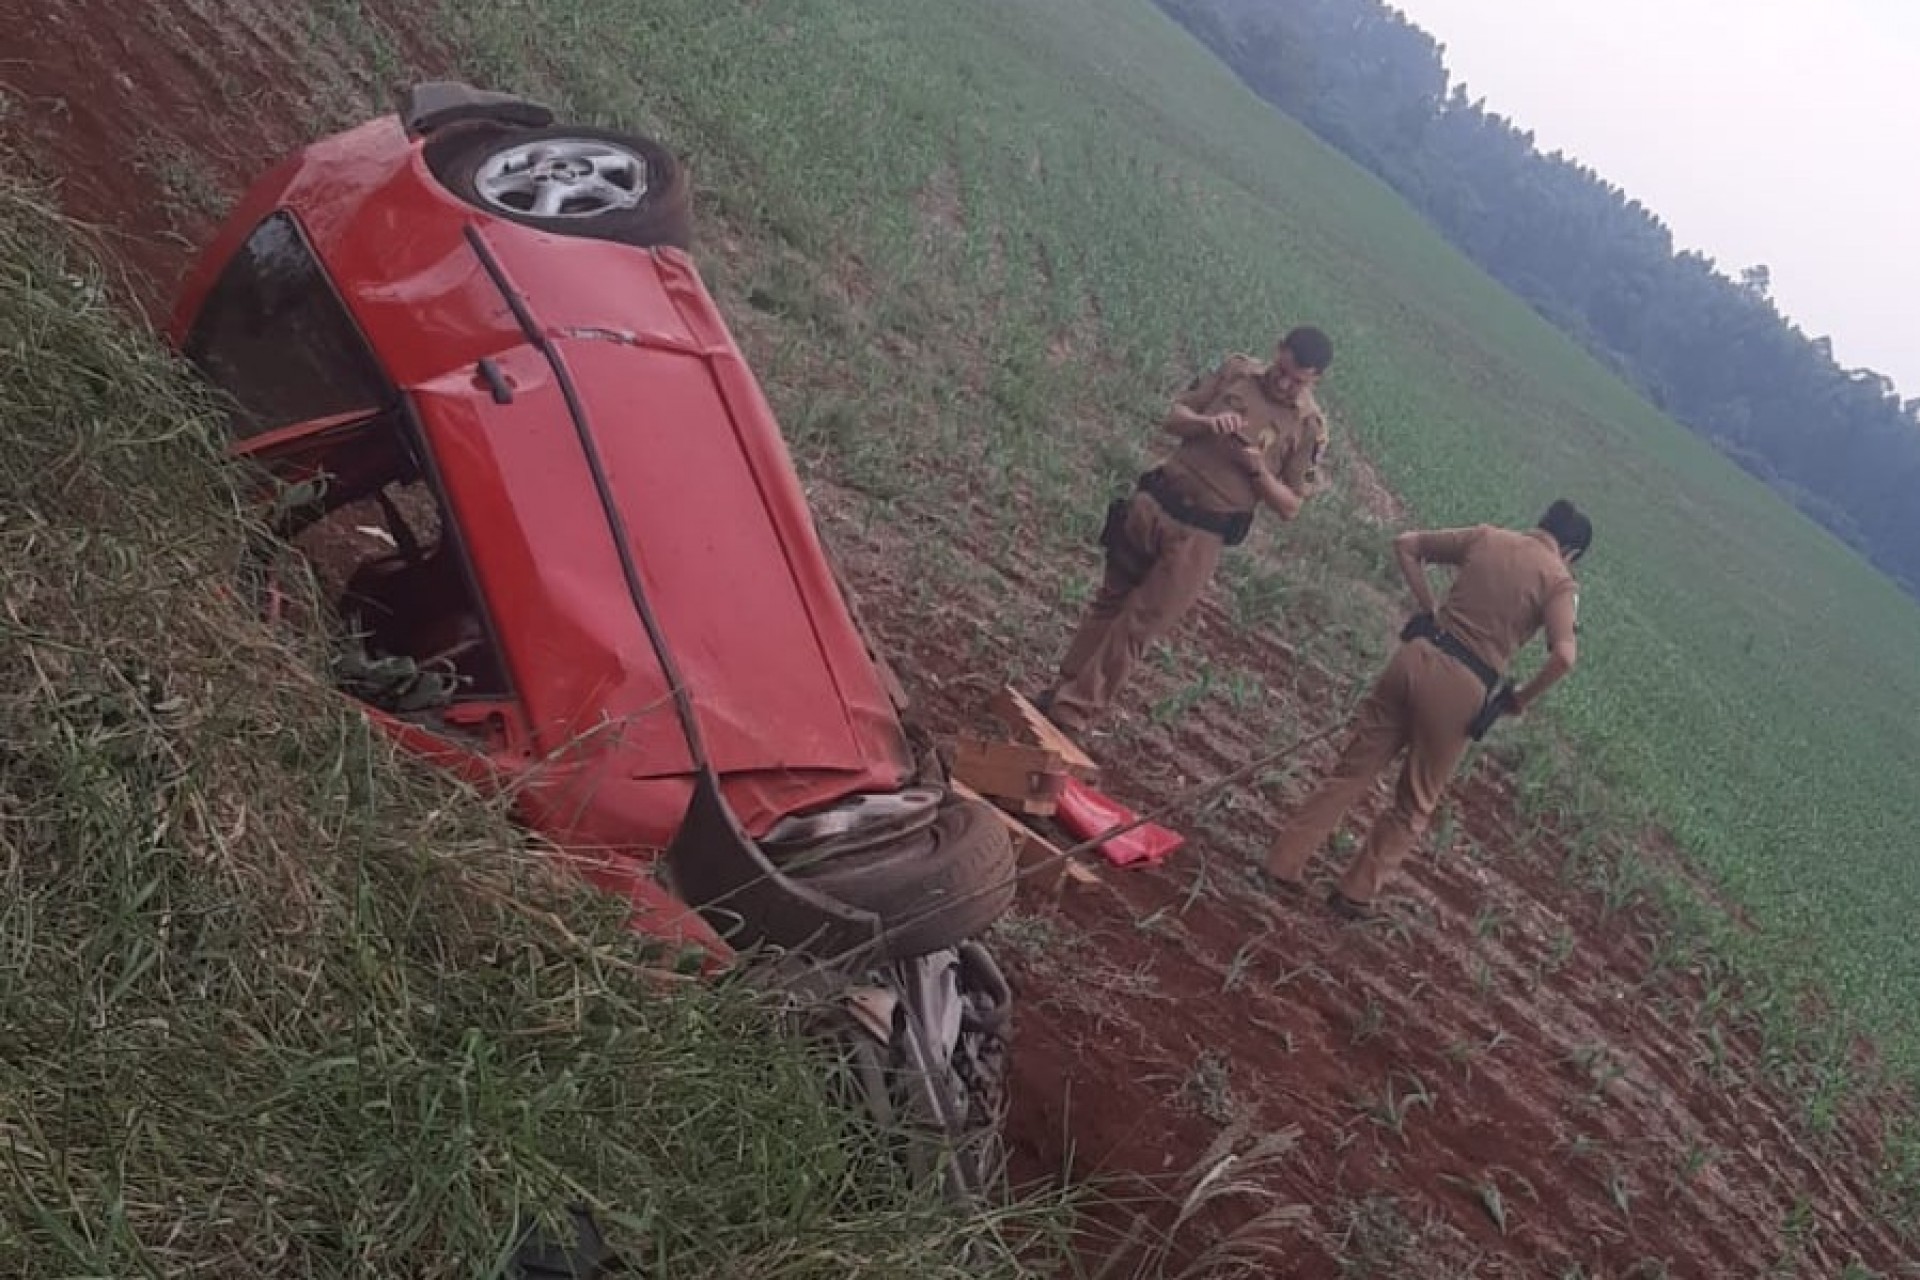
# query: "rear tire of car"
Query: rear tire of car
{"points": [[469, 161], [933, 889]]}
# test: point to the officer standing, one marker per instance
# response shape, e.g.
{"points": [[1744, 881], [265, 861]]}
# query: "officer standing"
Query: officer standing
{"points": [[1443, 687], [1250, 435]]}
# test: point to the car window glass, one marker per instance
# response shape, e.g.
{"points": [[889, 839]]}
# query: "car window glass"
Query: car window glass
{"points": [[274, 336]]}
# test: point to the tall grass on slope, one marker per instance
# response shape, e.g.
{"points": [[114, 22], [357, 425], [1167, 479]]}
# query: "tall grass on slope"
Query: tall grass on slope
{"points": [[272, 1003]]}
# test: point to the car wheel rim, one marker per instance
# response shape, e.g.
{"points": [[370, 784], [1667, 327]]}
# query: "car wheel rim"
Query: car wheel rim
{"points": [[563, 178]]}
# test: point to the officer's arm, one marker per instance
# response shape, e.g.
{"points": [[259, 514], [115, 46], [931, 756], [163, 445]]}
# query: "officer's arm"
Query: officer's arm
{"points": [[1414, 550], [1300, 467], [1413, 567], [1276, 495], [1189, 424], [1563, 651], [1184, 419]]}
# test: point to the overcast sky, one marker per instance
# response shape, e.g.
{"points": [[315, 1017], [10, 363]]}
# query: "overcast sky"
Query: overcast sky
{"points": [[1761, 131]]}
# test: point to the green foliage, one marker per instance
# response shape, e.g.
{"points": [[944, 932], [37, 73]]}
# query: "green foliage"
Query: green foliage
{"points": [[1390, 1110]]}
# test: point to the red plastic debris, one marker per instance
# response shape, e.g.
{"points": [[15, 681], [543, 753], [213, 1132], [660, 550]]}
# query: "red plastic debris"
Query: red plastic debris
{"points": [[1087, 813]]}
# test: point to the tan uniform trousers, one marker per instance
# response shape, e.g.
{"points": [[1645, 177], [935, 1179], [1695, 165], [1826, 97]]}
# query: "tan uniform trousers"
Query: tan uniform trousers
{"points": [[1136, 605], [1422, 703]]}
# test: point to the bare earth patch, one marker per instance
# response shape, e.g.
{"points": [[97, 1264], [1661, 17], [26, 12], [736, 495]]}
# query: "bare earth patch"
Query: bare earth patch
{"points": [[1509, 1076]]}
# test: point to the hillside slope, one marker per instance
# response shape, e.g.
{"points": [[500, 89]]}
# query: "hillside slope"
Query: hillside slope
{"points": [[971, 251]]}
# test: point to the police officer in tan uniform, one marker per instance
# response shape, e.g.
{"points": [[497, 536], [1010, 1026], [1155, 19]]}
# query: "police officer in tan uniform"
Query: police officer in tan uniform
{"points": [[1250, 436], [1443, 687]]}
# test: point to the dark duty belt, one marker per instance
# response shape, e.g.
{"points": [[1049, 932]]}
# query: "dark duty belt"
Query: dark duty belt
{"points": [[1423, 627], [1499, 700], [1230, 527]]}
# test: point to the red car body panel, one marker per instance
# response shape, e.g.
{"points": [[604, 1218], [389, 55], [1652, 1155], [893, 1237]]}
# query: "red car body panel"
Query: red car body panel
{"points": [[635, 427]]}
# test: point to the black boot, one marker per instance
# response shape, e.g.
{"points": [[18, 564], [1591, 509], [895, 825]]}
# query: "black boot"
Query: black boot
{"points": [[1276, 887], [1347, 908]]}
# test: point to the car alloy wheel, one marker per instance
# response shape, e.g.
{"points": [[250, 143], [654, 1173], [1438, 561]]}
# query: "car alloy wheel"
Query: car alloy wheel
{"points": [[563, 178]]}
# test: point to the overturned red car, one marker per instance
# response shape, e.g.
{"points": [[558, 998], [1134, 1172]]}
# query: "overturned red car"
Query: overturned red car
{"points": [[559, 532]]}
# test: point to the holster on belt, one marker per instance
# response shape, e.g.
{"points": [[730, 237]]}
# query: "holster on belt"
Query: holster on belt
{"points": [[1124, 559], [1499, 702], [1499, 699]]}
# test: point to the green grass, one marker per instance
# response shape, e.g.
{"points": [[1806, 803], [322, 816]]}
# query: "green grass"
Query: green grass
{"points": [[277, 1004], [971, 248], [1002, 180]]}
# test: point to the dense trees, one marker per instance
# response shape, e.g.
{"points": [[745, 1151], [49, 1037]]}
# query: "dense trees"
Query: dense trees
{"points": [[1709, 348]]}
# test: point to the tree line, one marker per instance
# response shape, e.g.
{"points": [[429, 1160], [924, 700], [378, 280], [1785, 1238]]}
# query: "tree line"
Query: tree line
{"points": [[1710, 349]]}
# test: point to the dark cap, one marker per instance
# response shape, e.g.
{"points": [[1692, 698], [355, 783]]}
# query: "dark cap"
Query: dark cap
{"points": [[1310, 348], [1569, 526]]}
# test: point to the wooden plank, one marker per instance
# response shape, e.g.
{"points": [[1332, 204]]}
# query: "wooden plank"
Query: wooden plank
{"points": [[1026, 778], [1035, 850], [1027, 722]]}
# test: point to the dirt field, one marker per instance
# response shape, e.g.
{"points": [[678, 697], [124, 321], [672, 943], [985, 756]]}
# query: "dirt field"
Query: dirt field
{"points": [[1505, 1077]]}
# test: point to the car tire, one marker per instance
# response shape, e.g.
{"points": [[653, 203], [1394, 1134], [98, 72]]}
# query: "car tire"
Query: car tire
{"points": [[933, 889], [645, 202]]}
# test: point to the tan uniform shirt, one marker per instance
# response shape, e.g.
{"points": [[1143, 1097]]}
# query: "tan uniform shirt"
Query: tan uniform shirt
{"points": [[1508, 586], [1292, 433]]}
